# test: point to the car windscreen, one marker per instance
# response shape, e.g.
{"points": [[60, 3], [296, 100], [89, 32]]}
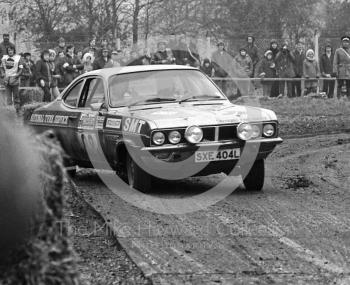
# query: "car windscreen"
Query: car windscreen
{"points": [[151, 87]]}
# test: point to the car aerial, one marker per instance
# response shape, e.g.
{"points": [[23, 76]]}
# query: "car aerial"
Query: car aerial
{"points": [[163, 122]]}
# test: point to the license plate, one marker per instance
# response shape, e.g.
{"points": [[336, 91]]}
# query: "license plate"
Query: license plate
{"points": [[220, 155]]}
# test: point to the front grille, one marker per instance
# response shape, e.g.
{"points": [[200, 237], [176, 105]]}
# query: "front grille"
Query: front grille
{"points": [[227, 133], [209, 134]]}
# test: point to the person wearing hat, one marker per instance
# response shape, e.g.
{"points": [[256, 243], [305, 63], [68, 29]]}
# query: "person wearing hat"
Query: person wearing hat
{"points": [[61, 45], [164, 55], [243, 68], [341, 66], [311, 71], [285, 69], [299, 57], [266, 70], [5, 44], [222, 64], [326, 68]]}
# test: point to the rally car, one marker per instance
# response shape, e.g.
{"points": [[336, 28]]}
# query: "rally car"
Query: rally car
{"points": [[159, 122]]}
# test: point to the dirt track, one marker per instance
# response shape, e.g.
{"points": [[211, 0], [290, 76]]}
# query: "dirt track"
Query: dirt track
{"points": [[297, 231]]}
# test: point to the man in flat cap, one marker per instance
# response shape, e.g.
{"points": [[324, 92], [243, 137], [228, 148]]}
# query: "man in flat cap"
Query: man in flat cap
{"points": [[341, 66]]}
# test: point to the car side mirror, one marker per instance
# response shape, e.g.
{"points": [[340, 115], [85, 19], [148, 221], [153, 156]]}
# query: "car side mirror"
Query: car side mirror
{"points": [[99, 107]]}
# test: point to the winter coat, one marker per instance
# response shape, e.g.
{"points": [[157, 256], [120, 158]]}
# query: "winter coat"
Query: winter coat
{"points": [[43, 72], [208, 70], [311, 70], [243, 66], [298, 62], [275, 51], [100, 63], [253, 52], [285, 64], [268, 67], [326, 64], [70, 73], [341, 64], [222, 63]]}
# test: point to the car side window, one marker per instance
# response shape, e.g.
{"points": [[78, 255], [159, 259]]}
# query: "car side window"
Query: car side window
{"points": [[93, 92], [73, 95]]}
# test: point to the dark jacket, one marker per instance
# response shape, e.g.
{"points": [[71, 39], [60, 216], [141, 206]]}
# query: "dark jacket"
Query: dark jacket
{"points": [[43, 72], [70, 73], [285, 64], [298, 62], [326, 64], [99, 63], [267, 67], [208, 70], [253, 52], [275, 51]]}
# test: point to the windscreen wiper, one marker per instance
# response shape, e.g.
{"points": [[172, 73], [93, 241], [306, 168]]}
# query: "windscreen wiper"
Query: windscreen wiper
{"points": [[152, 100], [198, 97]]}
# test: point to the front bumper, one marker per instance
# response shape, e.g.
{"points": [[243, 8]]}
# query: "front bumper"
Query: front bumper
{"points": [[253, 150]]}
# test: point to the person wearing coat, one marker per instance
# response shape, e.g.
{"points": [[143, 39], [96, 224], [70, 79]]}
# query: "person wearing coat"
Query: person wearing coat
{"points": [[253, 52], [243, 68], [299, 56], [341, 66], [267, 69], [11, 70], [71, 66], [310, 72], [326, 68], [43, 74], [222, 65], [207, 67], [275, 49], [285, 69]]}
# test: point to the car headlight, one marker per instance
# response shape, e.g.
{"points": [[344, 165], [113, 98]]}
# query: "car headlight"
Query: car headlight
{"points": [[194, 134], [158, 138], [174, 137], [269, 130], [248, 131]]}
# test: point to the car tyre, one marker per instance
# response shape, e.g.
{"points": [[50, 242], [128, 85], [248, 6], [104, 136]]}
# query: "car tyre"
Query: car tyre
{"points": [[137, 178], [254, 181]]}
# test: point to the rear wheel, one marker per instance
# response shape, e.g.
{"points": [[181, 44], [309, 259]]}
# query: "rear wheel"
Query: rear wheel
{"points": [[254, 181], [137, 177]]}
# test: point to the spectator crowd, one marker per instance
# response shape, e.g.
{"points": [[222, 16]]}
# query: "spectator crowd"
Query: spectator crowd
{"points": [[280, 69]]}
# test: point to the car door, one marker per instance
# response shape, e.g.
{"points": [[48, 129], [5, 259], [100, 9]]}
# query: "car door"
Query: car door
{"points": [[91, 121], [69, 107]]}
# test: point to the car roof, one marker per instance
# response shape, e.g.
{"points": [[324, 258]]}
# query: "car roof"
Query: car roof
{"points": [[107, 72]]}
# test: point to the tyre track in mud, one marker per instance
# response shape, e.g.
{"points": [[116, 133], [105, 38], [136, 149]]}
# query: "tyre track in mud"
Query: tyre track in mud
{"points": [[278, 236]]}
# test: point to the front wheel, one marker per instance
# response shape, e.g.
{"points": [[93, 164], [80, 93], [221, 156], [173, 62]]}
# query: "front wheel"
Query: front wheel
{"points": [[254, 181], [137, 177]]}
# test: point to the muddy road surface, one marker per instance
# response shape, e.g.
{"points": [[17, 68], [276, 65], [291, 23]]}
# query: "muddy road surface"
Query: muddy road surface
{"points": [[296, 231]]}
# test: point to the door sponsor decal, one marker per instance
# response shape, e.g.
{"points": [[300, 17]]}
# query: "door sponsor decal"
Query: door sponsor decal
{"points": [[49, 119], [113, 123], [132, 125], [87, 122], [99, 122]]}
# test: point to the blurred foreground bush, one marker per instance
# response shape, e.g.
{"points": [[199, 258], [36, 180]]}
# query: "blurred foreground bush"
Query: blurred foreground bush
{"points": [[34, 244]]}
